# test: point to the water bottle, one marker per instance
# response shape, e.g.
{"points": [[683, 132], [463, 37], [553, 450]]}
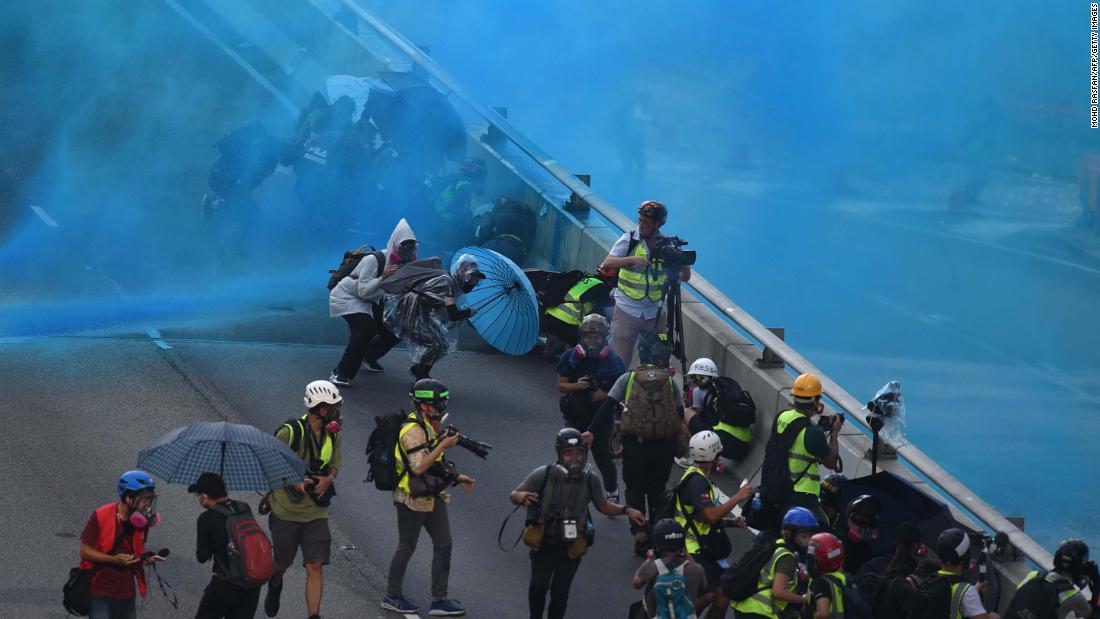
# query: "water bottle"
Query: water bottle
{"points": [[757, 504]]}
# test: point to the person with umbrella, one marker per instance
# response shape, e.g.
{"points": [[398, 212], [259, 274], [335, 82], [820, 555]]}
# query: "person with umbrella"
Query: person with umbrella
{"points": [[299, 512], [222, 597], [112, 544], [426, 312]]}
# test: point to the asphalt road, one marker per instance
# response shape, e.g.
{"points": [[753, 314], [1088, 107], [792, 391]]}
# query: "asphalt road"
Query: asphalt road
{"points": [[90, 403]]}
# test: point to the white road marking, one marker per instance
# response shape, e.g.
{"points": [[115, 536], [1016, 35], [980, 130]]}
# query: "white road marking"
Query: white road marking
{"points": [[154, 335], [44, 216]]}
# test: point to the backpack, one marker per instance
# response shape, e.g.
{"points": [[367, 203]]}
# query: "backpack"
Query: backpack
{"points": [[1038, 598], [249, 552], [650, 406], [77, 592], [671, 594], [553, 288], [237, 143], [382, 468], [932, 599], [515, 218], [872, 588], [727, 402], [351, 259], [776, 485], [742, 580], [855, 606]]}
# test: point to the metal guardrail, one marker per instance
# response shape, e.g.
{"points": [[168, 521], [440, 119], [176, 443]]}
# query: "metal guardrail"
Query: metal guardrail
{"points": [[837, 394]]}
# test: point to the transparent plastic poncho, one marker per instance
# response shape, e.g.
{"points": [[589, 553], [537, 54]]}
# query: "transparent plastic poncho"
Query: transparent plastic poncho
{"points": [[420, 317]]}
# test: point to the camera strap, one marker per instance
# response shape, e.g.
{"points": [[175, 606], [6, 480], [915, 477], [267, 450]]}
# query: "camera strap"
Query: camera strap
{"points": [[542, 491]]}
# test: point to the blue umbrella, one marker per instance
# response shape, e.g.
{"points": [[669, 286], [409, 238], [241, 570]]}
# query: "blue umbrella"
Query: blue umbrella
{"points": [[507, 310], [245, 457]]}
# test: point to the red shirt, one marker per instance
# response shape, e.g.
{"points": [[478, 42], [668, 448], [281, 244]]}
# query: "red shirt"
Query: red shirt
{"points": [[112, 581]]}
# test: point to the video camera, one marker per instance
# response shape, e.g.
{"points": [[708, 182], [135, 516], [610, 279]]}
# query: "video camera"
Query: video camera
{"points": [[479, 449], [880, 408], [668, 249], [825, 422]]}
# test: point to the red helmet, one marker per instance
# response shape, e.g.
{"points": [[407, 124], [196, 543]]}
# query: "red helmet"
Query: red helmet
{"points": [[827, 551]]}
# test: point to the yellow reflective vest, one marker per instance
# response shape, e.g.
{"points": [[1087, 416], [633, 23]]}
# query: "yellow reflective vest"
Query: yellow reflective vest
{"points": [[801, 463], [401, 457], [647, 282], [685, 514], [572, 310], [763, 602]]}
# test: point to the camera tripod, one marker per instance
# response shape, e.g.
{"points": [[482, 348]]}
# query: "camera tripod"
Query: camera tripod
{"points": [[674, 318]]}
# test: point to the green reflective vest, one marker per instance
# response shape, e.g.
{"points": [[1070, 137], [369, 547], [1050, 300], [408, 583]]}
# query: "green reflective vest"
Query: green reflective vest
{"points": [[800, 462], [646, 282], [836, 609], [763, 602], [686, 513], [572, 310], [442, 206], [401, 457], [300, 433], [958, 590], [741, 433]]}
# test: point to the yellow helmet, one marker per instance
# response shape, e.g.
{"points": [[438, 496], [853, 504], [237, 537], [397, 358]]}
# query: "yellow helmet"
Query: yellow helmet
{"points": [[806, 386]]}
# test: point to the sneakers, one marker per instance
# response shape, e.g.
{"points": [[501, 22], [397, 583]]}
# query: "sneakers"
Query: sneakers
{"points": [[338, 380], [399, 604], [372, 366], [271, 602], [683, 462], [446, 608]]}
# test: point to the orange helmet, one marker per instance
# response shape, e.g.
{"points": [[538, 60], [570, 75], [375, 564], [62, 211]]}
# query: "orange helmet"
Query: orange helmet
{"points": [[654, 210], [806, 386], [827, 552]]}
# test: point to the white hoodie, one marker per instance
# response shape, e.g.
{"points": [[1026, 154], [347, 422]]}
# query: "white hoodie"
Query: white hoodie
{"points": [[356, 293]]}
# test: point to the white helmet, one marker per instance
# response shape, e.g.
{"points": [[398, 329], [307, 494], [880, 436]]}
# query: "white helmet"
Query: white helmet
{"points": [[705, 446], [703, 367], [322, 392]]}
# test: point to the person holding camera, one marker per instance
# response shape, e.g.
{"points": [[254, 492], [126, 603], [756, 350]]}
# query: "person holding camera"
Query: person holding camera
{"points": [[299, 512], [420, 498], [586, 373], [559, 528], [809, 448], [642, 280]]}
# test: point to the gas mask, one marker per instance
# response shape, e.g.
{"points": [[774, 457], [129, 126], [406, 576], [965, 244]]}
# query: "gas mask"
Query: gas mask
{"points": [[406, 252], [573, 468], [593, 348], [146, 516], [862, 533], [466, 273], [332, 421]]}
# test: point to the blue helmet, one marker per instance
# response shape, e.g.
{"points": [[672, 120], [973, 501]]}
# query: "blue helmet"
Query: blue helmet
{"points": [[135, 481], [799, 518]]}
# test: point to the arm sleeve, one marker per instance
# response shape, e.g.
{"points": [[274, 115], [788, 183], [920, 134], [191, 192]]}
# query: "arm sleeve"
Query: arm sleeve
{"points": [[454, 314], [678, 398], [533, 481], [972, 603], [90, 535], [619, 248], [821, 589], [816, 443], [698, 396], [203, 552], [366, 287], [596, 493], [618, 390], [412, 439], [787, 565], [696, 492]]}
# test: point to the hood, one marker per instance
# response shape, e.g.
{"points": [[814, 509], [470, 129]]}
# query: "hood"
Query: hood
{"points": [[401, 233]]}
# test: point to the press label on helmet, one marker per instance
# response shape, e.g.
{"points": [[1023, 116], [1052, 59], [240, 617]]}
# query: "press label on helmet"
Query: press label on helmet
{"points": [[422, 393]]}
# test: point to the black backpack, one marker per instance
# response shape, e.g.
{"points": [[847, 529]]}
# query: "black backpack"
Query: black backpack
{"points": [[932, 599], [351, 259], [1038, 598], [776, 485], [726, 401], [382, 467], [742, 580]]}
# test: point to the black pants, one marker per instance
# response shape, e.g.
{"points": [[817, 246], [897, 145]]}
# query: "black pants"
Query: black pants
{"points": [[553, 571], [368, 339], [570, 334], [646, 467], [222, 600]]}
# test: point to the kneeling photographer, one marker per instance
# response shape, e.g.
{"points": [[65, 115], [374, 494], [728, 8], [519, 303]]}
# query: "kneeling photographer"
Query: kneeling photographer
{"points": [[299, 513], [420, 498], [641, 258], [559, 528]]}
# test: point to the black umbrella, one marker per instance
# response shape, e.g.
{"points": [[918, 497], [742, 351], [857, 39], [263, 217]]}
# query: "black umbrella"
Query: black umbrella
{"points": [[419, 119], [901, 502], [408, 276]]}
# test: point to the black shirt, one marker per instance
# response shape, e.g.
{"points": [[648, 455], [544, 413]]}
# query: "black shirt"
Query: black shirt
{"points": [[855, 553], [213, 540]]}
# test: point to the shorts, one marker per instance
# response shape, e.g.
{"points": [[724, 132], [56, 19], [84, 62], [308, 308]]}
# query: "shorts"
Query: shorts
{"points": [[312, 537], [713, 572]]}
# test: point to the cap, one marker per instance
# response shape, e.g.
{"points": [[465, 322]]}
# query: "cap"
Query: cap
{"points": [[210, 484]]}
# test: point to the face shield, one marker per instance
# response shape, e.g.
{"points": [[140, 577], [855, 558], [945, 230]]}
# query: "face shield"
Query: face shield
{"points": [[466, 273], [406, 251]]}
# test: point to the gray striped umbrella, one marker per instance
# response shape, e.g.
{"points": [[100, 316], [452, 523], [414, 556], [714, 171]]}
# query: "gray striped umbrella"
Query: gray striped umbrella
{"points": [[244, 456]]}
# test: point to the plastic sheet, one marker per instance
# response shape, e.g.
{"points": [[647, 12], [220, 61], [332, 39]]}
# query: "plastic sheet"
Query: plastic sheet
{"points": [[420, 317], [890, 406]]}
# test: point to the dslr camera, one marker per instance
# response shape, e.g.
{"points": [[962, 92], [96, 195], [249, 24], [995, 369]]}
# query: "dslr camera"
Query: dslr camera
{"points": [[669, 250]]}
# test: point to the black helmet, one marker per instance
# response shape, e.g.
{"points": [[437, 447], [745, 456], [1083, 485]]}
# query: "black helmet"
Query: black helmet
{"points": [[653, 349], [569, 438], [429, 390], [952, 545], [654, 210], [830, 489], [1071, 557], [668, 535], [865, 510]]}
